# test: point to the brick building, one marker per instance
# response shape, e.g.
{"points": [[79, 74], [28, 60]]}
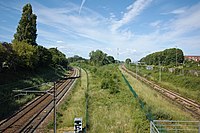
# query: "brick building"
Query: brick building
{"points": [[194, 58]]}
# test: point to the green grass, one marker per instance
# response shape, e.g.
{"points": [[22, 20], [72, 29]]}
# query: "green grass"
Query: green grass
{"points": [[109, 111], [186, 85], [75, 105], [117, 111], [114, 112], [159, 106], [72, 106], [20, 80]]}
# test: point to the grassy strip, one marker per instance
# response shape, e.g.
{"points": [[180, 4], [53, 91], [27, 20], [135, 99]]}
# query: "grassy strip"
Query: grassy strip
{"points": [[108, 111], [116, 111], [73, 106], [159, 106]]}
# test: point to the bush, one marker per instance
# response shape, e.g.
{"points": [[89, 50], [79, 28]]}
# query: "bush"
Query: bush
{"points": [[104, 84], [26, 55]]}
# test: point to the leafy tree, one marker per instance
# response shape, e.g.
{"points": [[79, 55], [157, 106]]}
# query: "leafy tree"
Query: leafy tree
{"points": [[76, 58], [26, 55], [111, 59], [44, 55], [58, 57], [166, 57], [9, 56], [128, 60], [98, 58], [26, 30], [2, 55]]}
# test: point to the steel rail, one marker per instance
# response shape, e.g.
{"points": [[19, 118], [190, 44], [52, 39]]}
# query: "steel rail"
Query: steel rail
{"points": [[34, 123], [190, 105], [32, 107]]}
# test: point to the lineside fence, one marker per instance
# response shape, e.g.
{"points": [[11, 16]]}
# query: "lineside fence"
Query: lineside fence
{"points": [[86, 102], [165, 126], [148, 114], [168, 126]]}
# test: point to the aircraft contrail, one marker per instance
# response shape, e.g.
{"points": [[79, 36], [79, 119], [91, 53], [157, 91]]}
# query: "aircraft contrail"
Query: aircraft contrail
{"points": [[83, 1]]}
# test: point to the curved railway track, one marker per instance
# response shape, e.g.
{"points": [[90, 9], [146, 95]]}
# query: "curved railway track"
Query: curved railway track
{"points": [[190, 105], [31, 116]]}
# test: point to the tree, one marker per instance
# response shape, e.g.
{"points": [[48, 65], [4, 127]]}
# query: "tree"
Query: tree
{"points": [[44, 55], [26, 55], [76, 58], [128, 60], [58, 57], [3, 55], [7, 55], [166, 57], [98, 58], [111, 59], [26, 30]]}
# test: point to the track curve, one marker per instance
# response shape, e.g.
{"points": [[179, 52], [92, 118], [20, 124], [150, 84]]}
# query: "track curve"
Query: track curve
{"points": [[190, 105], [31, 116]]}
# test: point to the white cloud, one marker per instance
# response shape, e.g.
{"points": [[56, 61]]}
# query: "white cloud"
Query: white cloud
{"points": [[82, 3], [59, 41], [156, 23], [91, 31], [176, 11], [133, 10], [74, 34]]}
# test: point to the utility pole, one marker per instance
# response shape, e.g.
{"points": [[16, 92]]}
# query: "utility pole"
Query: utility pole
{"points": [[54, 107], [176, 56], [118, 53], [136, 69], [80, 74], [45, 92], [160, 72]]}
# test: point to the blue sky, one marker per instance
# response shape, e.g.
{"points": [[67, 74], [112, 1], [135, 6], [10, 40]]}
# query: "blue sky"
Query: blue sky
{"points": [[132, 28]]}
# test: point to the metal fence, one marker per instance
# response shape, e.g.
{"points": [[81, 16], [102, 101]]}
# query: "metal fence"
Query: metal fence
{"points": [[167, 126]]}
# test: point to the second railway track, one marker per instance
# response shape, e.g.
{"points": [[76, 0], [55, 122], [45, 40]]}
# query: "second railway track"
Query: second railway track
{"points": [[31, 116], [190, 105]]}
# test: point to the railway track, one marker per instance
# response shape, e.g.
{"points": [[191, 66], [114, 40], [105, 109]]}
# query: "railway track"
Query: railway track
{"points": [[190, 105], [32, 115]]}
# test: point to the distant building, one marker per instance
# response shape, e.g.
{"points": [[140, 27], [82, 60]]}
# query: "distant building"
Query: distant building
{"points": [[192, 58], [149, 67]]}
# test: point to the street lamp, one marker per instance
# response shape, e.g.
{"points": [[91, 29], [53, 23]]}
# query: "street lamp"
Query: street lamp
{"points": [[176, 56]]}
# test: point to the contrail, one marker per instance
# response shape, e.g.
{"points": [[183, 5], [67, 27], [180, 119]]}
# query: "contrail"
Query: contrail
{"points": [[83, 1]]}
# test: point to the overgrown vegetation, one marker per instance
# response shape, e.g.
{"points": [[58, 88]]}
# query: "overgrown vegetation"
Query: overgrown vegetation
{"points": [[99, 58], [72, 106], [166, 57], [20, 80], [156, 104], [76, 58], [178, 81], [112, 108], [24, 63], [24, 53]]}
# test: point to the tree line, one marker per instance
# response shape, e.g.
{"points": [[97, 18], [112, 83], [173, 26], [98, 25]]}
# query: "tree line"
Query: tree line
{"points": [[24, 53], [99, 58], [167, 57]]}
